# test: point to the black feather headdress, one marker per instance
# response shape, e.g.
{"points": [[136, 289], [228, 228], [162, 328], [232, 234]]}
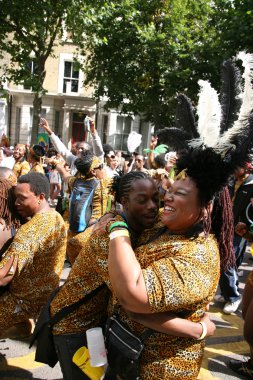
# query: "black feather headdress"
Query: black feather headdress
{"points": [[223, 136]]}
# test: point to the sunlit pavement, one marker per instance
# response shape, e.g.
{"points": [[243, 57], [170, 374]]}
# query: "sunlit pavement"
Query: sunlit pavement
{"points": [[17, 360]]}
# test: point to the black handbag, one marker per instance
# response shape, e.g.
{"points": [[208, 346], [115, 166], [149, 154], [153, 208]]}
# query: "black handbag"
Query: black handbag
{"points": [[45, 350], [123, 349]]}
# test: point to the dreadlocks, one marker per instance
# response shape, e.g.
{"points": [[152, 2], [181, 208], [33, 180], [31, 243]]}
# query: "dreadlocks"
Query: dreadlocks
{"points": [[7, 201], [223, 227]]}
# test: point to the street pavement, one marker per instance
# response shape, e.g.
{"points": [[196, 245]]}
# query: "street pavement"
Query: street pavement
{"points": [[17, 360]]}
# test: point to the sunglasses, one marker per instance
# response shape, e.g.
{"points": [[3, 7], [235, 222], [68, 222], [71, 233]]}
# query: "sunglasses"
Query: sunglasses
{"points": [[112, 156], [100, 167]]}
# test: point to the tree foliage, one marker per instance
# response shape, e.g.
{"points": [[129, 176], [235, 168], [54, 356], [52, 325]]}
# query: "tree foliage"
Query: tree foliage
{"points": [[28, 31], [142, 53]]}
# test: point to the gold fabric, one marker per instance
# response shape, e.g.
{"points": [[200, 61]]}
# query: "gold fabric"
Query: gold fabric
{"points": [[38, 168], [181, 275], [40, 246], [81, 280], [21, 168], [95, 163]]}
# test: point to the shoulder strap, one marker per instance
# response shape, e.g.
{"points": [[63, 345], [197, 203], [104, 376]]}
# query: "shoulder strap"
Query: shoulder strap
{"points": [[68, 309]]}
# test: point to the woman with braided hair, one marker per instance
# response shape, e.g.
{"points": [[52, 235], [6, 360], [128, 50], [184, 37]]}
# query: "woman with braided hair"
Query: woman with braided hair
{"points": [[179, 271], [86, 275], [9, 221]]}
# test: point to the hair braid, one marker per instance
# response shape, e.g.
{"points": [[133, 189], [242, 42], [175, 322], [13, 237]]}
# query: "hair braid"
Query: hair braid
{"points": [[122, 185], [223, 228], [7, 201]]}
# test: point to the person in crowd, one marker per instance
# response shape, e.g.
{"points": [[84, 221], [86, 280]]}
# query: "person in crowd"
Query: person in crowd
{"points": [[69, 334], [241, 190], [33, 263], [90, 171], [121, 161], [178, 271], [6, 158], [111, 165], [139, 163], [55, 185], [21, 165], [35, 157], [245, 368], [9, 220], [68, 156]]}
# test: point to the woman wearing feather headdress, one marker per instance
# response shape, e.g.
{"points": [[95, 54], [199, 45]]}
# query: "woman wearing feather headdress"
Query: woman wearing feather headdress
{"points": [[180, 270]]}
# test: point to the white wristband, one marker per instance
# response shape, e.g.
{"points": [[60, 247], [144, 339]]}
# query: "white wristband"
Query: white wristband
{"points": [[204, 331], [119, 233]]}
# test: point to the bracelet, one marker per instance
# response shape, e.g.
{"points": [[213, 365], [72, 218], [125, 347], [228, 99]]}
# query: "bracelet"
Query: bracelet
{"points": [[204, 331], [117, 224], [119, 233]]}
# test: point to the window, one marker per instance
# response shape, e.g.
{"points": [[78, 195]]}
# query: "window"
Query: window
{"points": [[123, 128], [70, 77], [33, 69]]}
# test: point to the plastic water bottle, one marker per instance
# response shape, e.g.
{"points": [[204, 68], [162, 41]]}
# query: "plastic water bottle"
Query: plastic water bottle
{"points": [[96, 347]]}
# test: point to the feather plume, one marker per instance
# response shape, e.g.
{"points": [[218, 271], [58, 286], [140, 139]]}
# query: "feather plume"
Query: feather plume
{"points": [[209, 113], [241, 127], [133, 141], [176, 138], [185, 116], [230, 94]]}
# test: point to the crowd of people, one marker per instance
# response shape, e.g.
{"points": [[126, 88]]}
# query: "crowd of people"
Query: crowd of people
{"points": [[160, 230]]}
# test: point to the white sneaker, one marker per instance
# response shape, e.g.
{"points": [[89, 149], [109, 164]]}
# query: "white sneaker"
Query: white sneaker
{"points": [[231, 307], [219, 298]]}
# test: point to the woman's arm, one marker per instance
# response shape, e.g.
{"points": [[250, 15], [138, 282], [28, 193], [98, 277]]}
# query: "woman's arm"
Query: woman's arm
{"points": [[126, 276], [171, 324], [8, 270]]}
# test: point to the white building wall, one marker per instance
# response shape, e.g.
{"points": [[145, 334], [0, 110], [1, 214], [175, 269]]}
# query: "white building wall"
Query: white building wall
{"points": [[3, 117]]}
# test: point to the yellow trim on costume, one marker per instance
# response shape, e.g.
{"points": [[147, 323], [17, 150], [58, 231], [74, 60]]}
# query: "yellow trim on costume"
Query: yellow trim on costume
{"points": [[181, 175]]}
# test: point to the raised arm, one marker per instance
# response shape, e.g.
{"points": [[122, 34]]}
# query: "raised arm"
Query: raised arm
{"points": [[58, 144], [96, 141]]}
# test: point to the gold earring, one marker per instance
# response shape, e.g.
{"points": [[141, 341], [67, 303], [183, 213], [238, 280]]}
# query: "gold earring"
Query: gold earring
{"points": [[39, 202]]}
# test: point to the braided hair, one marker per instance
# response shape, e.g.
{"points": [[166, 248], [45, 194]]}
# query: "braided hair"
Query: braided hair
{"points": [[7, 201], [222, 225], [122, 186]]}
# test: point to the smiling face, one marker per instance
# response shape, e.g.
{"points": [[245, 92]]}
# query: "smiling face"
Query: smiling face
{"points": [[182, 208], [19, 151], [142, 204]]}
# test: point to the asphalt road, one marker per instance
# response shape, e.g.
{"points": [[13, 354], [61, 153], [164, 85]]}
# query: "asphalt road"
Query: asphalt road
{"points": [[17, 360]]}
